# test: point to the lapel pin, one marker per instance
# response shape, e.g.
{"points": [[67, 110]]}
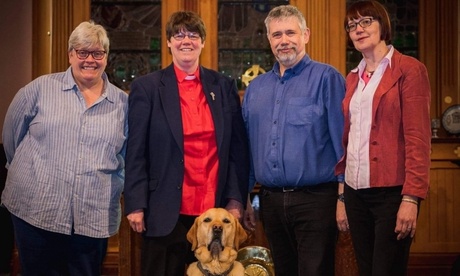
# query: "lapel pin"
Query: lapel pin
{"points": [[213, 96]]}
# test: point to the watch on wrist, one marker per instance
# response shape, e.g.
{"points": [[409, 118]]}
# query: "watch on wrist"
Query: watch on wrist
{"points": [[340, 197]]}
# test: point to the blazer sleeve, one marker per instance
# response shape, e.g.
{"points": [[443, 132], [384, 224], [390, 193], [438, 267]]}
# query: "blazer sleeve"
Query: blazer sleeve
{"points": [[238, 174], [136, 178]]}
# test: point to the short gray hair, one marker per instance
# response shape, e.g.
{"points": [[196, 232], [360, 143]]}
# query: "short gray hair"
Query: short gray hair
{"points": [[88, 34], [285, 11]]}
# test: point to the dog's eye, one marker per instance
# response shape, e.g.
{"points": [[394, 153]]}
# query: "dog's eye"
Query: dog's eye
{"points": [[207, 220], [226, 220]]}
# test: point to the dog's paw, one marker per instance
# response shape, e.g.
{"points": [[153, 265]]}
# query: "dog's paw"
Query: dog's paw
{"points": [[203, 254], [193, 270], [228, 255], [238, 269]]}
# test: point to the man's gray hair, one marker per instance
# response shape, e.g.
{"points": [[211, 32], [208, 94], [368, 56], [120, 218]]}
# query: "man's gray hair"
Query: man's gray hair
{"points": [[285, 11]]}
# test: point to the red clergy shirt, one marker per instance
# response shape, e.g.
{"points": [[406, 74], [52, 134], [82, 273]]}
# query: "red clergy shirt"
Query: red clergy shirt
{"points": [[200, 149]]}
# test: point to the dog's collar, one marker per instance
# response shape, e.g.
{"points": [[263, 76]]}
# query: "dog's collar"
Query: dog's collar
{"points": [[207, 273]]}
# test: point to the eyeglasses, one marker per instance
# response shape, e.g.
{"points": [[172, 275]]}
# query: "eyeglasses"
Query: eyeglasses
{"points": [[364, 23], [191, 36], [84, 54]]}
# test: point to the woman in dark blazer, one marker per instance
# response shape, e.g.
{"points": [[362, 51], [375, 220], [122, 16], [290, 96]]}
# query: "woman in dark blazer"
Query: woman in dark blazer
{"points": [[187, 149]]}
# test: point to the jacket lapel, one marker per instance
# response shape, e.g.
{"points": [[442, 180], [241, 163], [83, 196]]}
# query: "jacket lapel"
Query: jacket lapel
{"points": [[214, 97], [169, 95], [389, 79]]}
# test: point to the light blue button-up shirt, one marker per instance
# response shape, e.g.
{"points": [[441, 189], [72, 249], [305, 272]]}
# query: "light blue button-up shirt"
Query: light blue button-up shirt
{"points": [[295, 124], [66, 160]]}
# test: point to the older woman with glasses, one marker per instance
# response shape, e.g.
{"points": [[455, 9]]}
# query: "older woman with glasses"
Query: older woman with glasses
{"points": [[387, 143], [64, 137]]}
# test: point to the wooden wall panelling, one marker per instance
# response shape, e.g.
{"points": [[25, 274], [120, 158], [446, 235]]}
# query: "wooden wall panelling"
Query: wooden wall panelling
{"points": [[167, 8], [439, 51], [437, 244], [327, 36], [80, 10], [41, 32], [439, 264], [60, 32], [207, 9], [428, 47], [438, 224], [337, 36], [129, 250], [448, 57], [54, 21]]}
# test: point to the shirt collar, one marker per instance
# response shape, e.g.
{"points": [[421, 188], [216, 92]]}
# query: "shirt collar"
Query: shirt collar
{"points": [[181, 74], [69, 84], [296, 69], [387, 58]]}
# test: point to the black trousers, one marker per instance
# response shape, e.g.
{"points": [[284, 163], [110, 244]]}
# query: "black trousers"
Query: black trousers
{"points": [[45, 253], [6, 241], [301, 229], [372, 218], [168, 255]]}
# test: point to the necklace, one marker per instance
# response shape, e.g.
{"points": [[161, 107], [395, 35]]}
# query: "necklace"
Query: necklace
{"points": [[369, 73]]}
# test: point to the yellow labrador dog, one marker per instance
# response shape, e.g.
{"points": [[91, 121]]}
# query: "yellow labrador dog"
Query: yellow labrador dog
{"points": [[215, 237]]}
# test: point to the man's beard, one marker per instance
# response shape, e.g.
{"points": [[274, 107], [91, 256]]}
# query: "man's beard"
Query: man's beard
{"points": [[287, 59]]}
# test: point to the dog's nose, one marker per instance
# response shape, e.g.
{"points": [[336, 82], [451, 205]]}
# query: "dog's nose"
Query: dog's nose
{"points": [[217, 228]]}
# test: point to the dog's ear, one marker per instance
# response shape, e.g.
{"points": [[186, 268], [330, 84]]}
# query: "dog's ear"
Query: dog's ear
{"points": [[192, 235], [240, 235]]}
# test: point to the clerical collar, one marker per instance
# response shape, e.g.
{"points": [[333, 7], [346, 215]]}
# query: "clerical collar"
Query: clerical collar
{"points": [[183, 76]]}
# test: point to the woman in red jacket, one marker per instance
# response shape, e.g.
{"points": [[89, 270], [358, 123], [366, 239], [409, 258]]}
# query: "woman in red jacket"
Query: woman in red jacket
{"points": [[387, 144]]}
